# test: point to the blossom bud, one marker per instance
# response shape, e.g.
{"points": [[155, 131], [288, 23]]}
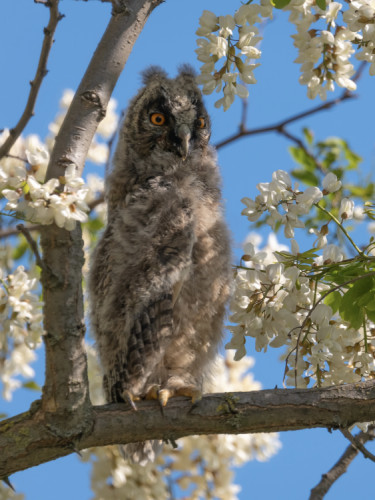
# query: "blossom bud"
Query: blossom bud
{"points": [[346, 209]]}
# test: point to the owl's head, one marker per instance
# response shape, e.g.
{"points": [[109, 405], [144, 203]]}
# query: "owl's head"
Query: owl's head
{"points": [[168, 115]]}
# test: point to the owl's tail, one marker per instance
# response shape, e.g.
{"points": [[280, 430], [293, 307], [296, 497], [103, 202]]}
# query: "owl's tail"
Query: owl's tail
{"points": [[143, 452]]}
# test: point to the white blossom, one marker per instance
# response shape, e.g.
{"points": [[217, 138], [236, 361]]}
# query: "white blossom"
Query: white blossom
{"points": [[21, 328], [330, 183], [346, 209]]}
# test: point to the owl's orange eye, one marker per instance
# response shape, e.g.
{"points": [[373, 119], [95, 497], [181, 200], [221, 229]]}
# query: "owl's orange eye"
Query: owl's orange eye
{"points": [[157, 118], [201, 122]]}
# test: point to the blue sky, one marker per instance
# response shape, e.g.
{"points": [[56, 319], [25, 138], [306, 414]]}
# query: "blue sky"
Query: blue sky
{"points": [[168, 40]]}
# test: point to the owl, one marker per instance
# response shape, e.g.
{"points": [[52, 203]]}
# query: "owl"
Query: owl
{"points": [[160, 274]]}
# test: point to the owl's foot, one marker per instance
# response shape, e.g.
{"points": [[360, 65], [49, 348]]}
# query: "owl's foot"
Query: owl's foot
{"points": [[163, 395], [152, 392], [129, 397], [189, 391]]}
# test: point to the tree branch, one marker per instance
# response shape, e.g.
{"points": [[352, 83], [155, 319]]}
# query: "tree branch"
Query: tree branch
{"points": [[33, 244], [357, 444], [90, 102], [280, 126], [341, 466], [67, 412], [31, 439], [49, 31]]}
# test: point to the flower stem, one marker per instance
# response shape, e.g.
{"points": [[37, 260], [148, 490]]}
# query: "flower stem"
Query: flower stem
{"points": [[340, 226], [365, 333]]}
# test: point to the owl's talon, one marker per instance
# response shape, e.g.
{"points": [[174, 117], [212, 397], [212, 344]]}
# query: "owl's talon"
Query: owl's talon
{"points": [[153, 392], [130, 398], [190, 392], [164, 395]]}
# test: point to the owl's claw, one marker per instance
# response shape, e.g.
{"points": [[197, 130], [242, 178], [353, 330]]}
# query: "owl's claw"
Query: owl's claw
{"points": [[153, 392], [189, 391], [164, 395], [130, 398]]}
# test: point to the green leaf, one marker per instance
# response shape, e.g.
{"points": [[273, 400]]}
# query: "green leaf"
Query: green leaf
{"points": [[309, 136], [280, 4], [352, 158], [321, 4], [354, 316], [364, 192], [333, 300], [301, 157], [366, 300], [20, 250], [306, 177], [95, 225], [350, 309], [32, 385], [370, 315]]}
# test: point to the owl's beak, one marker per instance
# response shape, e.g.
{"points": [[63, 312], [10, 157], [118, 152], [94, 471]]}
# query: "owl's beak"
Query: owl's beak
{"points": [[183, 132]]}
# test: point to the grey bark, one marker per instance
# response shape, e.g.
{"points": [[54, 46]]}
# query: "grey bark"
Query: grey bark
{"points": [[32, 438], [66, 407]]}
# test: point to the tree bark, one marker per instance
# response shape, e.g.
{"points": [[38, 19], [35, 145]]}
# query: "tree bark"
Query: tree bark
{"points": [[67, 410], [31, 439]]}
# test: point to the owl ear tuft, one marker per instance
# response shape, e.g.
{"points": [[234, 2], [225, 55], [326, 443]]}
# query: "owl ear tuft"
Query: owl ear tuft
{"points": [[153, 73], [187, 72]]}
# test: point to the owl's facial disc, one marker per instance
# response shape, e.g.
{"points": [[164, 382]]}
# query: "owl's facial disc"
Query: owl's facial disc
{"points": [[183, 132]]}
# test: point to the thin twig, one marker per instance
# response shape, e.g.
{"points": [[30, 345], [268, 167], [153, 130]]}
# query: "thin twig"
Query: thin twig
{"points": [[41, 72], [341, 466], [242, 127], [13, 231], [100, 199], [277, 127], [15, 157], [358, 445], [32, 243]]}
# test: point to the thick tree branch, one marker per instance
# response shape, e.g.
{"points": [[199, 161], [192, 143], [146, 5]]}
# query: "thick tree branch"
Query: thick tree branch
{"points": [[49, 31], [90, 102], [67, 411], [341, 466], [36, 437]]}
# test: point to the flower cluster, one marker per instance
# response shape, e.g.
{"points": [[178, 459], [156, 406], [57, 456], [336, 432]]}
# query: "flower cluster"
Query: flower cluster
{"points": [[233, 39], [200, 463], [27, 197], [229, 45], [21, 327], [360, 20], [287, 205], [64, 200], [297, 300], [47, 203]]}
